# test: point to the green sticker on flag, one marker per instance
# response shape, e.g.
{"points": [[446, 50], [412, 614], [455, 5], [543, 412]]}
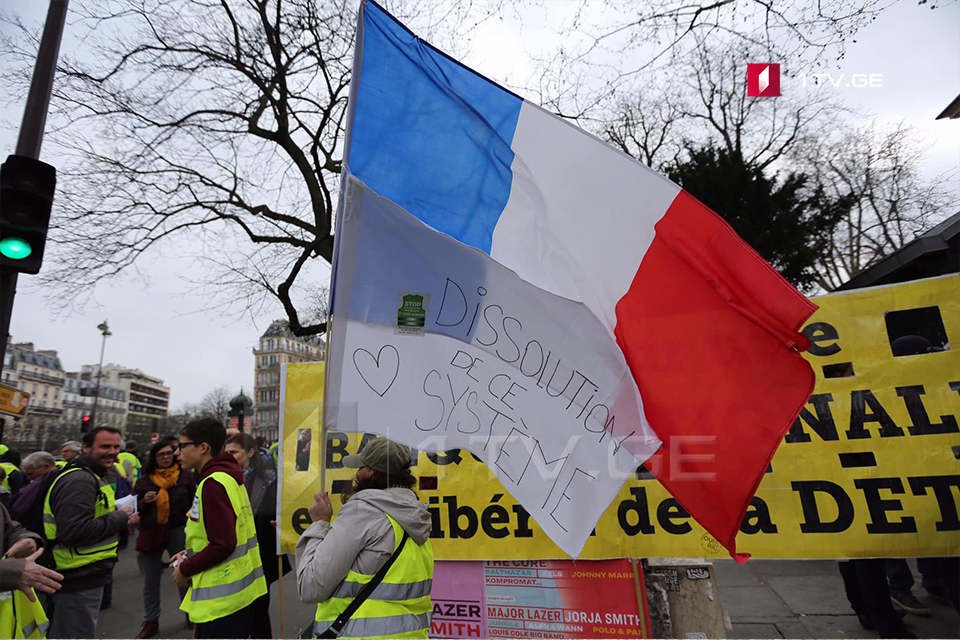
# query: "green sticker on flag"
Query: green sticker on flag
{"points": [[412, 313]]}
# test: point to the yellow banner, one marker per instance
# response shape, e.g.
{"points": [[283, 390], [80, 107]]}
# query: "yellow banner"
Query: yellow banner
{"points": [[869, 470], [301, 393]]}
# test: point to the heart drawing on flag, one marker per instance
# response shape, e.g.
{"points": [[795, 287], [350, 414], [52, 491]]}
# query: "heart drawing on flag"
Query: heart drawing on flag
{"points": [[380, 371]]}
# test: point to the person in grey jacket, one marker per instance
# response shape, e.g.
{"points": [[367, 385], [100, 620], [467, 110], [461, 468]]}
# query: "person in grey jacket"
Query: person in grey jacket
{"points": [[73, 501], [361, 539]]}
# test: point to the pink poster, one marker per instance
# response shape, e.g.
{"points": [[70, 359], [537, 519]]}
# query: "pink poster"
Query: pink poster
{"points": [[459, 609], [536, 599]]}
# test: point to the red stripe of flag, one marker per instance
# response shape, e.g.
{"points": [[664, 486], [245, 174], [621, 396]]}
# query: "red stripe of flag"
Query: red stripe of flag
{"points": [[710, 332]]}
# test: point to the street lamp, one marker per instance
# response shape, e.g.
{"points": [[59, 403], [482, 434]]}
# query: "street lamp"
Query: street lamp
{"points": [[105, 330]]}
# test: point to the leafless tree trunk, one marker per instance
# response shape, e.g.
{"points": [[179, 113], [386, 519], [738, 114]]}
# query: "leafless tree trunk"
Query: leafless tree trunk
{"points": [[216, 404], [210, 128], [213, 124], [605, 46], [879, 167], [706, 104]]}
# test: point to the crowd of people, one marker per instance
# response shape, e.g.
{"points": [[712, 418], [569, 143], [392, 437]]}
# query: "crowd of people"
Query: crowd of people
{"points": [[202, 506]]}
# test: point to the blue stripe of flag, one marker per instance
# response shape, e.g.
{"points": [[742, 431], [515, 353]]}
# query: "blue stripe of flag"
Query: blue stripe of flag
{"points": [[430, 134]]}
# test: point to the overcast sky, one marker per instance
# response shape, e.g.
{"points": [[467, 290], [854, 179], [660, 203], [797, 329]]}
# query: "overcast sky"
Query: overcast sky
{"points": [[161, 329]]}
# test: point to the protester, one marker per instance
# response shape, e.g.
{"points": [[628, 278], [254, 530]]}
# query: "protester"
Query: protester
{"points": [[261, 443], [940, 579], [221, 562], [940, 576], [164, 495], [36, 464], [21, 614], [132, 469], [15, 479], [117, 479], [4, 491], [70, 450], [82, 523], [260, 481], [40, 468], [274, 453], [382, 519]]}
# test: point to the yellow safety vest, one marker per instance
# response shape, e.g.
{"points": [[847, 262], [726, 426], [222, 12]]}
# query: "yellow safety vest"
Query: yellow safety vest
{"points": [[400, 606], [75, 557], [60, 463], [237, 581], [9, 468], [134, 464], [274, 451], [20, 618]]}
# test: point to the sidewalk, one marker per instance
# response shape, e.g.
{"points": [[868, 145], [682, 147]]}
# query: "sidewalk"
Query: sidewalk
{"points": [[805, 599], [765, 599]]}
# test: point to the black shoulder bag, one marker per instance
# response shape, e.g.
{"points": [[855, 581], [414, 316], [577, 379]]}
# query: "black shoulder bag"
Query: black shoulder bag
{"points": [[333, 631]]}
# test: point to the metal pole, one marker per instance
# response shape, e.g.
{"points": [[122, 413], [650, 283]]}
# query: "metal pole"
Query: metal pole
{"points": [[8, 289], [31, 131], [96, 394]]}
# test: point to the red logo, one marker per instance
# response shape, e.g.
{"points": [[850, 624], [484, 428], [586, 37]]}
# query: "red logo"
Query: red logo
{"points": [[763, 80]]}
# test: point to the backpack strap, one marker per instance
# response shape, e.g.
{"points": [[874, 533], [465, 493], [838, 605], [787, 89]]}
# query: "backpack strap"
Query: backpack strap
{"points": [[333, 631]]}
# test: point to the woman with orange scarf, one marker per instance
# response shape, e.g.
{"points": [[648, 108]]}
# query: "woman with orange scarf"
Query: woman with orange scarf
{"points": [[164, 495]]}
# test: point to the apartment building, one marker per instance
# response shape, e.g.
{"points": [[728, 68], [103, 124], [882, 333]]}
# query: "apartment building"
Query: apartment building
{"points": [[39, 373], [147, 399], [78, 401], [278, 345]]}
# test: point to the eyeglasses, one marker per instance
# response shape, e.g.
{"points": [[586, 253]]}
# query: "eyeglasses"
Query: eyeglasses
{"points": [[187, 444]]}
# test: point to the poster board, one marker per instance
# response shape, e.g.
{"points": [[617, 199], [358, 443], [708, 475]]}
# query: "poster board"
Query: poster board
{"points": [[870, 469], [536, 599]]}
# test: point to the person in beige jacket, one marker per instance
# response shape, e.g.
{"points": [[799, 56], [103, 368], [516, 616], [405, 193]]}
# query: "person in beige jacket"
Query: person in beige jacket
{"points": [[361, 539]]}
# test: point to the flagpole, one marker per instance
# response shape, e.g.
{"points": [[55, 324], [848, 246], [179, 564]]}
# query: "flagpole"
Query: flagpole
{"points": [[280, 573], [641, 604], [323, 423]]}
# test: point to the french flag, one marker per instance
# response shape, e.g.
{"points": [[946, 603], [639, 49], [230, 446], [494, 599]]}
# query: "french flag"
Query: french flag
{"points": [[709, 330]]}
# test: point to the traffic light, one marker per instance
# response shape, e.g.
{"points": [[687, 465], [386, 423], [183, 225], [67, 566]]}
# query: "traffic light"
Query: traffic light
{"points": [[85, 424], [26, 197]]}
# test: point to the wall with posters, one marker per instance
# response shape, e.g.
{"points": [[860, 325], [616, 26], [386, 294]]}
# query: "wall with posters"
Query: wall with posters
{"points": [[868, 470], [536, 599]]}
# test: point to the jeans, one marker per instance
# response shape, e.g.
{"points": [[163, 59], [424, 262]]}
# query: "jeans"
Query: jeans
{"points": [[261, 617], [151, 568], [75, 614], [937, 573], [865, 582]]}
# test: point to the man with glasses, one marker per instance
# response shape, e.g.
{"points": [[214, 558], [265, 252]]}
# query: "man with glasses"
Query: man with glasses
{"points": [[221, 563]]}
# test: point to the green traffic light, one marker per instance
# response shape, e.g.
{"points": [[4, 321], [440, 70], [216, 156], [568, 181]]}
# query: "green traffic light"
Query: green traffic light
{"points": [[15, 248]]}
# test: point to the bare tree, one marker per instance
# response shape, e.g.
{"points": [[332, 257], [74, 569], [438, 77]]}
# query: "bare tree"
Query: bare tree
{"points": [[707, 105], [879, 169], [210, 126], [605, 46], [213, 124], [187, 409], [645, 126], [216, 404]]}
